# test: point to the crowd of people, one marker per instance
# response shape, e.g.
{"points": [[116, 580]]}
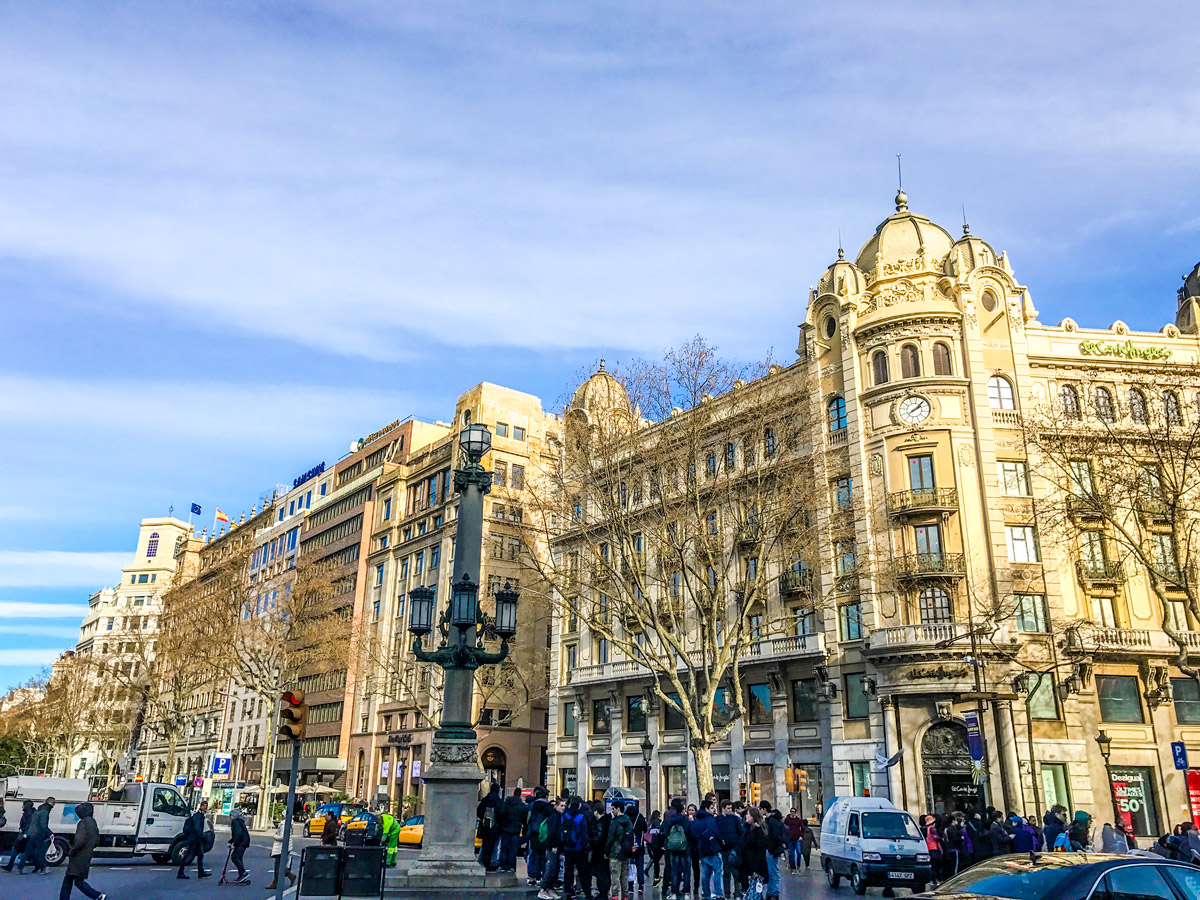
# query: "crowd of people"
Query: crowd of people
{"points": [[578, 850]]}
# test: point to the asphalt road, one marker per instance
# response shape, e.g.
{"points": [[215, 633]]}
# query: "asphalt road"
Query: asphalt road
{"points": [[143, 879]]}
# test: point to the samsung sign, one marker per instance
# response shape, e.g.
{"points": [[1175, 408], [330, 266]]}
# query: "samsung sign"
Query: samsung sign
{"points": [[311, 473]]}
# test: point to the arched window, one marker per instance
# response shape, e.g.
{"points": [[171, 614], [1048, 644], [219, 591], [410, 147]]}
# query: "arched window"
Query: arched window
{"points": [[837, 414], [941, 360], [1137, 407], [152, 546], [910, 361], [935, 606], [879, 366], [1070, 401], [1000, 393], [1104, 405], [1171, 408]]}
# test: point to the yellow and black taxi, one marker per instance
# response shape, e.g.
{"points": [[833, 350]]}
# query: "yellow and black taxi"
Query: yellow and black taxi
{"points": [[316, 825]]}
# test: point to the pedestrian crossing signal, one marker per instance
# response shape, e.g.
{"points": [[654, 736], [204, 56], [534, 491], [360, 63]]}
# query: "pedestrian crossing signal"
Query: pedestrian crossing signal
{"points": [[293, 716]]}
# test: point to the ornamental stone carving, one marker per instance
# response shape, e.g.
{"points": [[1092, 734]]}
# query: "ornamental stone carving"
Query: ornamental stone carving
{"points": [[965, 457], [903, 291], [876, 464], [447, 752]]}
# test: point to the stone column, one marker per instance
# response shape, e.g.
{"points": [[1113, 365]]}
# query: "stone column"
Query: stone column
{"points": [[1008, 752], [779, 726], [891, 742], [616, 728]]}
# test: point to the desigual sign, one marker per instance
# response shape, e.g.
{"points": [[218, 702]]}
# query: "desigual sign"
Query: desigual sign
{"points": [[1124, 351]]}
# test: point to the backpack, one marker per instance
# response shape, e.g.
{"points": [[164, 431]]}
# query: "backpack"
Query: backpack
{"points": [[574, 833], [626, 844], [543, 831], [677, 841]]}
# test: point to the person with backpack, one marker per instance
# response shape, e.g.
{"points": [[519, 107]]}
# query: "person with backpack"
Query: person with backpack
{"points": [[538, 828], [547, 842], [193, 837], [511, 818], [707, 833], [776, 846], [677, 842], [731, 826], [619, 850], [486, 826], [576, 845]]}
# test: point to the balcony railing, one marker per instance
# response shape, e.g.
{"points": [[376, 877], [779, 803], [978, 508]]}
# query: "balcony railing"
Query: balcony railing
{"points": [[1099, 571], [1007, 417], [783, 647], [839, 438], [930, 499], [931, 565], [750, 533], [1083, 507], [1089, 638], [794, 584], [930, 636]]}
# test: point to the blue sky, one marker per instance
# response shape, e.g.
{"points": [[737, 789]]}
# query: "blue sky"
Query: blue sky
{"points": [[234, 236]]}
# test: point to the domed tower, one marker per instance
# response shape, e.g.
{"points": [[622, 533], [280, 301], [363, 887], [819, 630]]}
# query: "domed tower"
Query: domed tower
{"points": [[903, 243], [969, 253], [1188, 316], [599, 395]]}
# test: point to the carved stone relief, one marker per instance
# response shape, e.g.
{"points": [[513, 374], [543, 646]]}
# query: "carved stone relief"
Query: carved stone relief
{"points": [[876, 464]]}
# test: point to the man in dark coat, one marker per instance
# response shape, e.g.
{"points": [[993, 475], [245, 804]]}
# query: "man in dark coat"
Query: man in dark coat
{"points": [[239, 840], [329, 832], [1054, 823], [193, 838], [39, 838], [486, 814], [22, 835], [511, 816], [87, 837]]}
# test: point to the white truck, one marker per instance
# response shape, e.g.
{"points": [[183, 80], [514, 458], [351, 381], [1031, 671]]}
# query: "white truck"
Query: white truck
{"points": [[140, 818]]}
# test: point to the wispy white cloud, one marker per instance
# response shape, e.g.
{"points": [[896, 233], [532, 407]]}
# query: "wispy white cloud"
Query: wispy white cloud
{"points": [[66, 632], [57, 568], [28, 657]]}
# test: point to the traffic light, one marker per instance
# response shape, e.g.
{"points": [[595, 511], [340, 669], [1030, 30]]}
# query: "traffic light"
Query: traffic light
{"points": [[293, 716], [801, 781], [755, 792], [742, 792], [789, 780]]}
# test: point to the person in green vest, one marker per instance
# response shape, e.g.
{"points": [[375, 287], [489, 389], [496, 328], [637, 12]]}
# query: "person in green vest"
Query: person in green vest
{"points": [[391, 836]]}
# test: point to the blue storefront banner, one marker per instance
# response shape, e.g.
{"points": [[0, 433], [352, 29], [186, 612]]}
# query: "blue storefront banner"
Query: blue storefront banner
{"points": [[975, 747]]}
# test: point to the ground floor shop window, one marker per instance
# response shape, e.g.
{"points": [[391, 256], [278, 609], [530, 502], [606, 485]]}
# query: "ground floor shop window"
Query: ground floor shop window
{"points": [[601, 782], [1133, 791], [1054, 785], [860, 778], [675, 782], [635, 777], [811, 800]]}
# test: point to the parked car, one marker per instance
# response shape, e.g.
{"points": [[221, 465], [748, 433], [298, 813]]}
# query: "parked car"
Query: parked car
{"points": [[1074, 876]]}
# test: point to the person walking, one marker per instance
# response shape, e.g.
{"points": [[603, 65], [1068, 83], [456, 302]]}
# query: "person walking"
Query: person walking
{"points": [[329, 831], [193, 837], [792, 823], [677, 829], [654, 843], [776, 846], [239, 840], [808, 838], [511, 818], [640, 828], [39, 840], [933, 843], [486, 816], [753, 852], [706, 831], [22, 841], [87, 838], [619, 850], [276, 852]]}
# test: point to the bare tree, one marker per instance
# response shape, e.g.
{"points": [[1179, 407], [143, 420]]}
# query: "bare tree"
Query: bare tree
{"points": [[680, 526], [1116, 460]]}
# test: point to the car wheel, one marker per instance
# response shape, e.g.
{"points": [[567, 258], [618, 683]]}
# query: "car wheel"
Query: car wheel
{"points": [[857, 882], [307, 831], [918, 888], [834, 878], [178, 851]]}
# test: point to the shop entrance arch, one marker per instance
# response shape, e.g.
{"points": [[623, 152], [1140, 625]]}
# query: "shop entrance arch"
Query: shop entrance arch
{"points": [[495, 766], [946, 762]]}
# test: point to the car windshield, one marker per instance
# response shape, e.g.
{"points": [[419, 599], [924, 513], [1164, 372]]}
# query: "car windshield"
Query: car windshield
{"points": [[1015, 877], [893, 826]]}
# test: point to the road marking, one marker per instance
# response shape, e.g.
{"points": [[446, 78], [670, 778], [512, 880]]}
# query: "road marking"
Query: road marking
{"points": [[120, 868]]}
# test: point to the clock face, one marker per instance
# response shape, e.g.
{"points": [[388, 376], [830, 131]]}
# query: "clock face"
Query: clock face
{"points": [[914, 410]]}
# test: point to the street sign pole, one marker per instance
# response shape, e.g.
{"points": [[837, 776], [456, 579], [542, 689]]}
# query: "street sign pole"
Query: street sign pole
{"points": [[281, 865]]}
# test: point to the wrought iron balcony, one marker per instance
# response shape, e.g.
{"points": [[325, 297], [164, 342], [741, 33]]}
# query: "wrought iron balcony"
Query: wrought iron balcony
{"points": [[931, 565], [1099, 571], [927, 500], [750, 533], [795, 584]]}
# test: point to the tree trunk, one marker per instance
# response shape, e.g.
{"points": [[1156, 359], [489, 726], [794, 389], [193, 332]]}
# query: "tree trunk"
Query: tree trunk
{"points": [[172, 740], [262, 818], [702, 753]]}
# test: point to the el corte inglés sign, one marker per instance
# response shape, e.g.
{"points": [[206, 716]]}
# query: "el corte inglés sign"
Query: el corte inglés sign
{"points": [[1124, 351]]}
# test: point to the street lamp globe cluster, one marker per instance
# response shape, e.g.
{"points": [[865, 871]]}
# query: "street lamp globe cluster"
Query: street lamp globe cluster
{"points": [[452, 780]]}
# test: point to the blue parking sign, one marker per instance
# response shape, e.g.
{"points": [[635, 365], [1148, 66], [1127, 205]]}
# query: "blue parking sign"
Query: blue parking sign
{"points": [[1179, 754]]}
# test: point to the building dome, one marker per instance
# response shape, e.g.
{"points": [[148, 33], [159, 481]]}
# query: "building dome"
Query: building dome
{"points": [[1191, 285], [600, 393], [968, 253], [900, 238], [843, 277]]}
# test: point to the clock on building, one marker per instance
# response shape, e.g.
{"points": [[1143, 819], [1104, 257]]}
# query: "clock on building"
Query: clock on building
{"points": [[913, 410]]}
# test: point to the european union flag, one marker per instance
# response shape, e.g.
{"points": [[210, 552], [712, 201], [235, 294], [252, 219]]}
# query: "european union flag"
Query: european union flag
{"points": [[195, 509]]}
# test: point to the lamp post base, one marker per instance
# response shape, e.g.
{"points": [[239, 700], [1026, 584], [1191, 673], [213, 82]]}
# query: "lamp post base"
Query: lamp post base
{"points": [[447, 857]]}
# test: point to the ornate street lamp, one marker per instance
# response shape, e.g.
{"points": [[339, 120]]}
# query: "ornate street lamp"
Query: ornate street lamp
{"points": [[1104, 742], [647, 752], [452, 779]]}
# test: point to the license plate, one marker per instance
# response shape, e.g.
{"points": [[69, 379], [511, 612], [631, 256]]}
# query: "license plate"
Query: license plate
{"points": [[902, 876]]}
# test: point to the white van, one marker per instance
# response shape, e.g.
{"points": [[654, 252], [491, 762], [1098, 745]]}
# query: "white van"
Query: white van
{"points": [[872, 842]]}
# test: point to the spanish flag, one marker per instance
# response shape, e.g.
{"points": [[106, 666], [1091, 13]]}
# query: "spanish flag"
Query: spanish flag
{"points": [[221, 517]]}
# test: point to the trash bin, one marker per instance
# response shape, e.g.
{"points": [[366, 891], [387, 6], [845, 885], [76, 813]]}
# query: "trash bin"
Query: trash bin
{"points": [[362, 872], [320, 873]]}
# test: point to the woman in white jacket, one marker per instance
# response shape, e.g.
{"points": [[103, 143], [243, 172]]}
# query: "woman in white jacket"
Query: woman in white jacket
{"points": [[276, 850]]}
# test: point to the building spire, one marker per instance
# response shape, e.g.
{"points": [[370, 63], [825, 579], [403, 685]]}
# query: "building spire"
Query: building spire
{"points": [[966, 227], [901, 197]]}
